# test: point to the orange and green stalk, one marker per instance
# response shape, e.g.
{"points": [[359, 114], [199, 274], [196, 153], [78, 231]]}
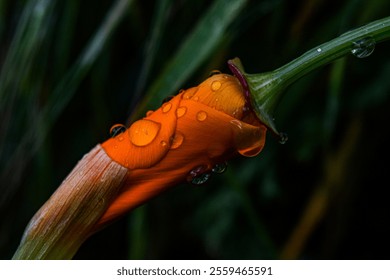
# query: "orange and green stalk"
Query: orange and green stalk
{"points": [[185, 139]]}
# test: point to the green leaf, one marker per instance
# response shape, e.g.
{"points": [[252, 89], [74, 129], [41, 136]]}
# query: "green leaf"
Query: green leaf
{"points": [[199, 45]]}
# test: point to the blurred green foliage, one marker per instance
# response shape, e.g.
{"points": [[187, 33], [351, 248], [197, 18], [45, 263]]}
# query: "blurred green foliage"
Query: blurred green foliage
{"points": [[71, 69]]}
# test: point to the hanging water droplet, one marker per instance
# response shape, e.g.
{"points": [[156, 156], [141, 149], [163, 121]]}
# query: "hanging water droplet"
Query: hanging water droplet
{"points": [[198, 175], [117, 129], [219, 168], [201, 179], [148, 113], [363, 47], [201, 116], [216, 85], [283, 138], [214, 72]]}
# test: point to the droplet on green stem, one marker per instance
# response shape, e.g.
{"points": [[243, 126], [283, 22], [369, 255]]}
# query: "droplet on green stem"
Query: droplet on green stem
{"points": [[364, 47]]}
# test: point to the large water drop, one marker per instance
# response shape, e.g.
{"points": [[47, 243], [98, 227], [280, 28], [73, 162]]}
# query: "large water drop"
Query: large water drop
{"points": [[143, 132], [363, 47]]}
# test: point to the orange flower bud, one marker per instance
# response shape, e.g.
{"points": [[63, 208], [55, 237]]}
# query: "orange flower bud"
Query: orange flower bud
{"points": [[185, 138]]}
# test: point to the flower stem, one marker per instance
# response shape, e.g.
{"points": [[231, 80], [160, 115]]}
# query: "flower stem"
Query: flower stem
{"points": [[264, 90]]}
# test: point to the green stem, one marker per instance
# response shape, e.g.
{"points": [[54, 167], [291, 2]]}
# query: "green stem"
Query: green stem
{"points": [[264, 90], [355, 41]]}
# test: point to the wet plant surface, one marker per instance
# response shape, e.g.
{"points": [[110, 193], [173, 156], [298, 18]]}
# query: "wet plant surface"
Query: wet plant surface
{"points": [[319, 196]]}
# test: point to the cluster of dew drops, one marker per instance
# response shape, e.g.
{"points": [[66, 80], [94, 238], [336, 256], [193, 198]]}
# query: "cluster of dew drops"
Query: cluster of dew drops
{"points": [[198, 175]]}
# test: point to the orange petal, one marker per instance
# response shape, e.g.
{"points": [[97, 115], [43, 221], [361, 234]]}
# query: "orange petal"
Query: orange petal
{"points": [[147, 140], [203, 137], [222, 92]]}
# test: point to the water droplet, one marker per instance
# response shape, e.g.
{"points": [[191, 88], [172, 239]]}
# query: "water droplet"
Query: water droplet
{"points": [[120, 138], [201, 179], [214, 72], [148, 113], [117, 129], [166, 99], [177, 140], [198, 175], [189, 93], [216, 85], [181, 111], [219, 168], [143, 132], [196, 98], [166, 107], [283, 138], [201, 116], [363, 47], [319, 50]]}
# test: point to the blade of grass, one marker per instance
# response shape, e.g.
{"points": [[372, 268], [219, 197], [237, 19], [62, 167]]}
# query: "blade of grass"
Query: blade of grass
{"points": [[66, 31], [67, 87], [19, 93], [152, 47], [196, 48]]}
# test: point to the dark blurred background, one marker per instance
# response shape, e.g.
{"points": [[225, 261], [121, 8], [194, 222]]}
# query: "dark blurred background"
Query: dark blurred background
{"points": [[322, 195]]}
